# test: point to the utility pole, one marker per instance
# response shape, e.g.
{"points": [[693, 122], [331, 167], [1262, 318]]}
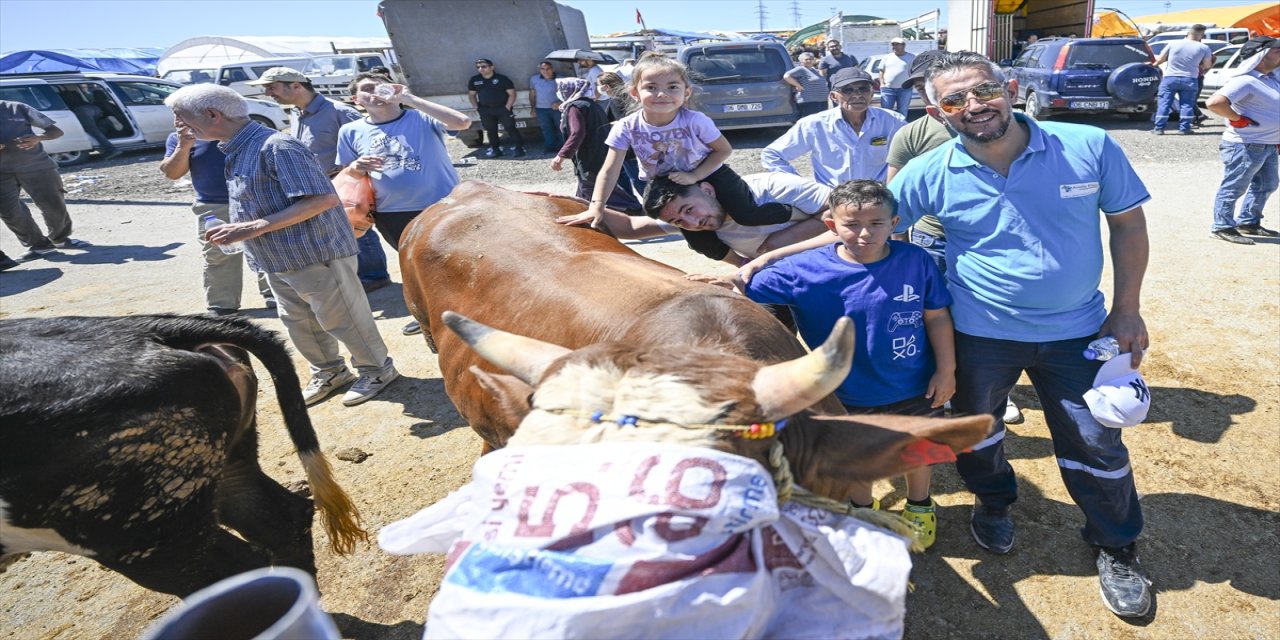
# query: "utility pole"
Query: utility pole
{"points": [[795, 12], [761, 12]]}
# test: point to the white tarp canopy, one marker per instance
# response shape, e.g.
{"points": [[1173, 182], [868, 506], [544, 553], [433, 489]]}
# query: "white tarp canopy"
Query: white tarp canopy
{"points": [[214, 51]]}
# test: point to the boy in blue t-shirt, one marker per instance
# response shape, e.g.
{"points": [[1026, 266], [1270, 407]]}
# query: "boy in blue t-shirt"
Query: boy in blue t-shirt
{"points": [[905, 360]]}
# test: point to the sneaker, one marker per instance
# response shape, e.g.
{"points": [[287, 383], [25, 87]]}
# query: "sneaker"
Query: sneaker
{"points": [[112, 154], [493, 153], [324, 383], [1257, 230], [1158, 132], [7, 263], [875, 505], [992, 528], [925, 520], [412, 329], [218, 312], [1231, 235], [373, 285], [1125, 587], [36, 254], [520, 152], [368, 386], [1012, 414], [72, 243], [1186, 132]]}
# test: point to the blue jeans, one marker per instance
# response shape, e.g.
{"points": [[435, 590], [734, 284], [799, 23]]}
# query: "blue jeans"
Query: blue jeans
{"points": [[371, 262], [1092, 460], [630, 180], [1249, 169], [935, 246], [549, 122], [896, 99], [1187, 90]]}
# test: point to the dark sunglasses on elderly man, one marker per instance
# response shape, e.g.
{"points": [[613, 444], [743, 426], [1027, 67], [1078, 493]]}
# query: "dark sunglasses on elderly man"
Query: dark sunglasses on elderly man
{"points": [[985, 92]]}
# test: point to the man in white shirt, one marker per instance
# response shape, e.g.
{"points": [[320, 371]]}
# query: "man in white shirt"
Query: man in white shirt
{"points": [[849, 141], [894, 69], [1187, 58]]}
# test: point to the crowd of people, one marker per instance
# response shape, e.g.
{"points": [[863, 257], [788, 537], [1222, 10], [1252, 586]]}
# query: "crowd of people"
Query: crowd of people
{"points": [[965, 244]]}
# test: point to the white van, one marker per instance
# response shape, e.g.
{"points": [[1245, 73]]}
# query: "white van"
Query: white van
{"points": [[134, 113], [237, 74], [1227, 34]]}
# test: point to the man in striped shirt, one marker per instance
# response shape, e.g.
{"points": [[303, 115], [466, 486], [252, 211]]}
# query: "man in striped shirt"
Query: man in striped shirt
{"points": [[292, 225]]}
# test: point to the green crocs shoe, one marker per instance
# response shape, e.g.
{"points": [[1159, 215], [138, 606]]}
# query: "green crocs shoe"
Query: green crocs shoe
{"points": [[925, 520]]}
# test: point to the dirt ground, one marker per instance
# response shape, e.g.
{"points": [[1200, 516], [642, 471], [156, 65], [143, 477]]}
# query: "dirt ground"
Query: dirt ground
{"points": [[1206, 460]]}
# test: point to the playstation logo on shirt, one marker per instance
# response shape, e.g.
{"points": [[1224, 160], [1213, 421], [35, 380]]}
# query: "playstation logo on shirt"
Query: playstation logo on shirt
{"points": [[908, 294]]}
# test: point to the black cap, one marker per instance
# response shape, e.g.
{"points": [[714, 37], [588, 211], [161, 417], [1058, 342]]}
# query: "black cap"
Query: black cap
{"points": [[1252, 47], [849, 75], [920, 66]]}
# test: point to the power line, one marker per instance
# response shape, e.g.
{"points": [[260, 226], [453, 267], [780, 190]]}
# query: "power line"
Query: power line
{"points": [[761, 12], [795, 13]]}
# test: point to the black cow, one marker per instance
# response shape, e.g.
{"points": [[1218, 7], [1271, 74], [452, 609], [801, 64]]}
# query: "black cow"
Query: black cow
{"points": [[130, 440]]}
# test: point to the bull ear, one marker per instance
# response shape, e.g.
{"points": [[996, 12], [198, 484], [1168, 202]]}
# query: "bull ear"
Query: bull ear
{"points": [[512, 394], [525, 358], [786, 388], [828, 454]]}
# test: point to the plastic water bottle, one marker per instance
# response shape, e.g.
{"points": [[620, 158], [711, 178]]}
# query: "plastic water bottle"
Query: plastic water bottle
{"points": [[384, 91], [212, 222], [1102, 349]]}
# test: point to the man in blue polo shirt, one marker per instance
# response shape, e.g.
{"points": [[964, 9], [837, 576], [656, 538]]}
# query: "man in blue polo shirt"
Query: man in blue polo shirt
{"points": [[1019, 202], [223, 272]]}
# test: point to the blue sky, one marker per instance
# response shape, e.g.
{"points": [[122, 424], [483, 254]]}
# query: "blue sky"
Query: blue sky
{"points": [[62, 24]]}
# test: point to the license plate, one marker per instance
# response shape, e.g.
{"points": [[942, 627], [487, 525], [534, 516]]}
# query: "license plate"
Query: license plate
{"points": [[750, 106], [1090, 104], [520, 124]]}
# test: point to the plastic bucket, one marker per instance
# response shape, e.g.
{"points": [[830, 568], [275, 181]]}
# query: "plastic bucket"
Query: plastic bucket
{"points": [[265, 604]]}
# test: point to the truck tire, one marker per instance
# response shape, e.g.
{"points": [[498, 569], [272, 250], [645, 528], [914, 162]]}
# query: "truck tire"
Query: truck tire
{"points": [[1136, 82], [70, 158]]}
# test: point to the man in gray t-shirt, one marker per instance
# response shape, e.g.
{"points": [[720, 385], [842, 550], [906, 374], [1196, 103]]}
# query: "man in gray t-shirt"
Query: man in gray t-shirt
{"points": [[1187, 59], [24, 166]]}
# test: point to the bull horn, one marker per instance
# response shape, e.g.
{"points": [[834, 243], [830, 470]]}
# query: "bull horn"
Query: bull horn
{"points": [[525, 358], [786, 388]]}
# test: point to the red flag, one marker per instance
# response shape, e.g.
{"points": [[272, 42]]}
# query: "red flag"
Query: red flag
{"points": [[639, 18]]}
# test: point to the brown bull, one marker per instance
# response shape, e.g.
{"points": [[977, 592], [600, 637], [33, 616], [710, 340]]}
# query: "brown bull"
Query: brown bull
{"points": [[498, 257]]}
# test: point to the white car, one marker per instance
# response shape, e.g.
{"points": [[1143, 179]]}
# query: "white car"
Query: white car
{"points": [[134, 115], [1226, 64]]}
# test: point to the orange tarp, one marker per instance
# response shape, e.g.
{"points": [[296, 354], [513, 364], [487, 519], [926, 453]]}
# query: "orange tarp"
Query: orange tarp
{"points": [[1111, 25], [1263, 17]]}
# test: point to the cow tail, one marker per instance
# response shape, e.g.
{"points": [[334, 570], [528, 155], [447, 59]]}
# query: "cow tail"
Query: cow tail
{"points": [[338, 514]]}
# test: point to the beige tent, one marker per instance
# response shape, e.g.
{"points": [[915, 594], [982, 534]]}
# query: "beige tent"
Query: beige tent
{"points": [[1262, 17]]}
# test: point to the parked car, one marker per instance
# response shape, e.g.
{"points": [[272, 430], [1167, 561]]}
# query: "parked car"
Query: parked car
{"points": [[238, 74], [1233, 35], [1214, 45], [739, 83], [1087, 75], [872, 64], [1226, 64], [136, 116]]}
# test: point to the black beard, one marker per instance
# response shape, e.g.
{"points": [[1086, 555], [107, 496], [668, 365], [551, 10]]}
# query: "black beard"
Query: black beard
{"points": [[983, 138]]}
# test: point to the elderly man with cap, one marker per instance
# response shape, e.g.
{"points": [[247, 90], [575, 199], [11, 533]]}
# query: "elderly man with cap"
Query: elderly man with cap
{"points": [[1251, 104], [895, 94], [849, 141], [316, 120]]}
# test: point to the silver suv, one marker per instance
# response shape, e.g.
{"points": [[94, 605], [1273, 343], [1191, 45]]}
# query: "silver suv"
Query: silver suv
{"points": [[740, 83]]}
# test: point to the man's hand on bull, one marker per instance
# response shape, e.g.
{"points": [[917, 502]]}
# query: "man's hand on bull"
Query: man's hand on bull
{"points": [[235, 232], [1130, 330], [682, 177], [730, 282], [591, 216]]}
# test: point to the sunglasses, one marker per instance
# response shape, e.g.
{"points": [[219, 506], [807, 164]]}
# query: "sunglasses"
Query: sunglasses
{"points": [[985, 92], [855, 89], [483, 66]]}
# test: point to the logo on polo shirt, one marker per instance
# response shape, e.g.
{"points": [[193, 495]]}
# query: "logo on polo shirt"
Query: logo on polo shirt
{"points": [[879, 141], [908, 294], [1077, 190]]}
